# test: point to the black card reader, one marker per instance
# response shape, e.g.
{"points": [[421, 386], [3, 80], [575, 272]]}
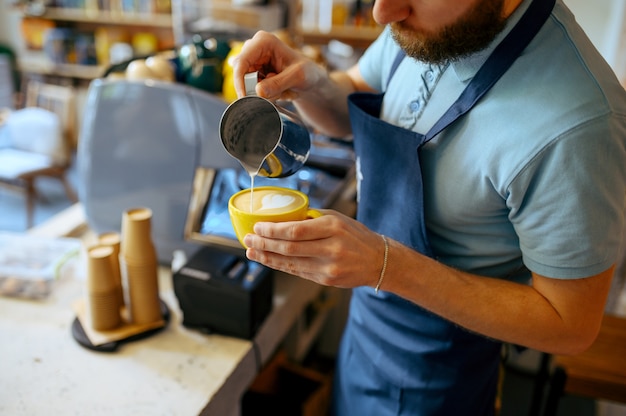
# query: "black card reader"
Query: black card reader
{"points": [[223, 293]]}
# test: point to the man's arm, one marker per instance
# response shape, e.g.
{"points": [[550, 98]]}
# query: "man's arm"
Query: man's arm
{"points": [[553, 315], [560, 316], [327, 107]]}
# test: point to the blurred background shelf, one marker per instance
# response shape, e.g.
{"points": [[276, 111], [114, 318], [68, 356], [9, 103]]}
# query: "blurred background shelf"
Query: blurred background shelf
{"points": [[63, 14], [37, 63], [356, 36]]}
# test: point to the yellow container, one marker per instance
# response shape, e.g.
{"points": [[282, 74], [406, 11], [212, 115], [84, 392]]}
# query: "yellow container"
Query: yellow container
{"points": [[228, 85]]}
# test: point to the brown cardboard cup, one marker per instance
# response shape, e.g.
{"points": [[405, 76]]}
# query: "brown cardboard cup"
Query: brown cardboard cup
{"points": [[102, 291], [113, 240], [136, 244]]}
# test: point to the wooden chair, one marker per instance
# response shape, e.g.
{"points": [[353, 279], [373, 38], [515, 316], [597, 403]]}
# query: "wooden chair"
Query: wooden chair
{"points": [[598, 373], [30, 156]]}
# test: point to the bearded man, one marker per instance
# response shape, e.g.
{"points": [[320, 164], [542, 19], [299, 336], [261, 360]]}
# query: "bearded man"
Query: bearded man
{"points": [[490, 138]]}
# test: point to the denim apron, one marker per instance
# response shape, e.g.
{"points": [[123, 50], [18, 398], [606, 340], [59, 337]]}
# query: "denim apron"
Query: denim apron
{"points": [[397, 358]]}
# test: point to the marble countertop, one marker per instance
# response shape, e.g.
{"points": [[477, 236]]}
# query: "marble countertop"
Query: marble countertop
{"points": [[177, 371]]}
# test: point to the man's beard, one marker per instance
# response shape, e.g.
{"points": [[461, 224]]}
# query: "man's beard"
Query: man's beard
{"points": [[472, 32]]}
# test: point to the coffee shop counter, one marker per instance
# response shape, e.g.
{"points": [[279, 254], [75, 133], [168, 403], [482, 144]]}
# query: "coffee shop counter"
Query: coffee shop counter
{"points": [[177, 371]]}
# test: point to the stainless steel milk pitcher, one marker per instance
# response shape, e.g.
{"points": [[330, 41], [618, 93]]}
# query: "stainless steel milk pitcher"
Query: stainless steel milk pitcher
{"points": [[267, 139]]}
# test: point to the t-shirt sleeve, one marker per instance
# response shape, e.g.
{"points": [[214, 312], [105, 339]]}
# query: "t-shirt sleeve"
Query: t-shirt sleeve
{"points": [[567, 205]]}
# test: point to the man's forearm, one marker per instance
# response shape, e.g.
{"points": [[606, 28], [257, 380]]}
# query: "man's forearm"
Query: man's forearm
{"points": [[325, 107], [552, 315]]}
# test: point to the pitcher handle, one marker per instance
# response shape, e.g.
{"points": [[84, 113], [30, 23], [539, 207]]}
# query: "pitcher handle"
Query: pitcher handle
{"points": [[249, 81]]}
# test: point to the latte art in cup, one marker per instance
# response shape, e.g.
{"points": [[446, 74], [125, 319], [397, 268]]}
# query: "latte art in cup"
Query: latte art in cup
{"points": [[268, 201]]}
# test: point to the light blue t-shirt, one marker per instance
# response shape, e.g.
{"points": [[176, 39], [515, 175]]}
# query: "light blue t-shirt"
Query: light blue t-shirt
{"points": [[534, 176]]}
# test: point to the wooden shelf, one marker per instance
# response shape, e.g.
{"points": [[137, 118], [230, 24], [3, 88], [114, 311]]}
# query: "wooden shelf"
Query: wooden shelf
{"points": [[110, 18], [356, 36], [38, 63]]}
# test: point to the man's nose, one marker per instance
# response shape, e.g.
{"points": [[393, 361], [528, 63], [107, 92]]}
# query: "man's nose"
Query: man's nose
{"points": [[390, 11]]}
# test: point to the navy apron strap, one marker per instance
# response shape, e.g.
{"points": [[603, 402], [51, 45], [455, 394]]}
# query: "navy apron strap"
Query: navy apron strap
{"points": [[497, 64], [396, 63]]}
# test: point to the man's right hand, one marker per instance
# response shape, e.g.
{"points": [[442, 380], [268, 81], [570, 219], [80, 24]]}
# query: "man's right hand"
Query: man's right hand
{"points": [[285, 72]]}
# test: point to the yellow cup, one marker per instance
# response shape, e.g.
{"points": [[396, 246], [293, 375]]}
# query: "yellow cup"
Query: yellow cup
{"points": [[267, 204]]}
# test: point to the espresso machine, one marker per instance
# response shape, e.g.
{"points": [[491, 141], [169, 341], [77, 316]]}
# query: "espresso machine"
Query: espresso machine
{"points": [[156, 144]]}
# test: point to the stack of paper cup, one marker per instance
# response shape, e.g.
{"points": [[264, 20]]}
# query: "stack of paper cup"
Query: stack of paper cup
{"points": [[113, 239], [104, 307], [139, 266]]}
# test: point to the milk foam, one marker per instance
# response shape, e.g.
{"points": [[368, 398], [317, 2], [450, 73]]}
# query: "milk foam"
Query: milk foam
{"points": [[276, 200], [268, 201]]}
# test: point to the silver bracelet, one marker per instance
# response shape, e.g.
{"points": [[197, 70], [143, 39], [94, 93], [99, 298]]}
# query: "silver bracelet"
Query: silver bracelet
{"points": [[382, 272]]}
